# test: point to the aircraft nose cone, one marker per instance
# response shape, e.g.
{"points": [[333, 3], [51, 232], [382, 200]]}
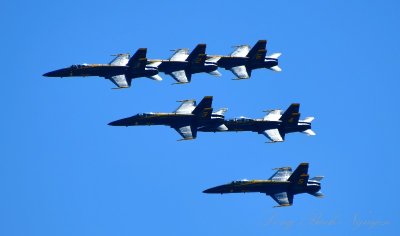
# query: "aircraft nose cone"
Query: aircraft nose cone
{"points": [[49, 74], [115, 123], [213, 190], [66, 72], [207, 191]]}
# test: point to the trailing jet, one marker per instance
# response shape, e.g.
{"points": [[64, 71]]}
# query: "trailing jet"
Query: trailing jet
{"points": [[274, 125], [186, 119], [182, 65], [245, 59], [120, 71], [282, 186]]}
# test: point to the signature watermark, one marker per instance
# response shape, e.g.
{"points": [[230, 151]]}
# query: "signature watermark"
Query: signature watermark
{"points": [[321, 220]]}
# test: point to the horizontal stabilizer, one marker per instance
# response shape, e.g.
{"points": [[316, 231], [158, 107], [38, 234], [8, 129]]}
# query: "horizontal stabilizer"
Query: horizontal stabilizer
{"points": [[156, 77], [154, 64], [276, 68], [215, 73], [213, 59], [309, 132], [221, 111], [318, 194], [308, 119], [317, 178], [275, 55]]}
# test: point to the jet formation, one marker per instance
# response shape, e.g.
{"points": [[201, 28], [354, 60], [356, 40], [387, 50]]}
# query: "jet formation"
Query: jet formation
{"points": [[180, 66], [188, 119], [281, 186]]}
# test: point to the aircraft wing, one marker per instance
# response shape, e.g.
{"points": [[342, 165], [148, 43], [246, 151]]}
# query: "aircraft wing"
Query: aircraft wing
{"points": [[282, 174], [241, 51], [240, 72], [198, 55], [283, 198], [120, 60], [186, 107], [181, 76], [187, 132], [273, 115], [274, 135], [291, 115], [180, 55], [120, 81]]}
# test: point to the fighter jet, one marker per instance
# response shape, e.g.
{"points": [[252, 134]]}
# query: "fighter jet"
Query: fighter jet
{"points": [[282, 186], [274, 125], [245, 59], [120, 71], [182, 65], [186, 119]]}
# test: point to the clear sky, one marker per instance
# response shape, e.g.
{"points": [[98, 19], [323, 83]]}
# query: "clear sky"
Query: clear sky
{"points": [[63, 171]]}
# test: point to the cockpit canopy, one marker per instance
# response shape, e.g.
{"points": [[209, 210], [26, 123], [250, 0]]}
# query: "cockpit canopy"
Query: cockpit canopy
{"points": [[77, 66], [242, 119], [145, 114], [240, 181]]}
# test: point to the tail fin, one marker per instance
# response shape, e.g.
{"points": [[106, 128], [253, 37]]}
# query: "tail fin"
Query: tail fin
{"points": [[258, 51], [300, 175], [200, 49], [291, 115], [275, 55], [138, 60], [204, 109]]}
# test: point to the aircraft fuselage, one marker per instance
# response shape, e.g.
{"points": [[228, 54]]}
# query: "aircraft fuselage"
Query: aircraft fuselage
{"points": [[101, 70], [268, 187], [259, 125], [168, 119], [227, 62], [168, 67]]}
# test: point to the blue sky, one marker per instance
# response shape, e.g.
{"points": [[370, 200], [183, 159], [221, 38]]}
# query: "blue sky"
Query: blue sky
{"points": [[65, 172]]}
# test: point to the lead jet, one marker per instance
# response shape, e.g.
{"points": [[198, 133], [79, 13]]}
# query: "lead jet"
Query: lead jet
{"points": [[186, 119], [120, 71], [245, 59], [274, 125], [182, 65], [282, 186]]}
